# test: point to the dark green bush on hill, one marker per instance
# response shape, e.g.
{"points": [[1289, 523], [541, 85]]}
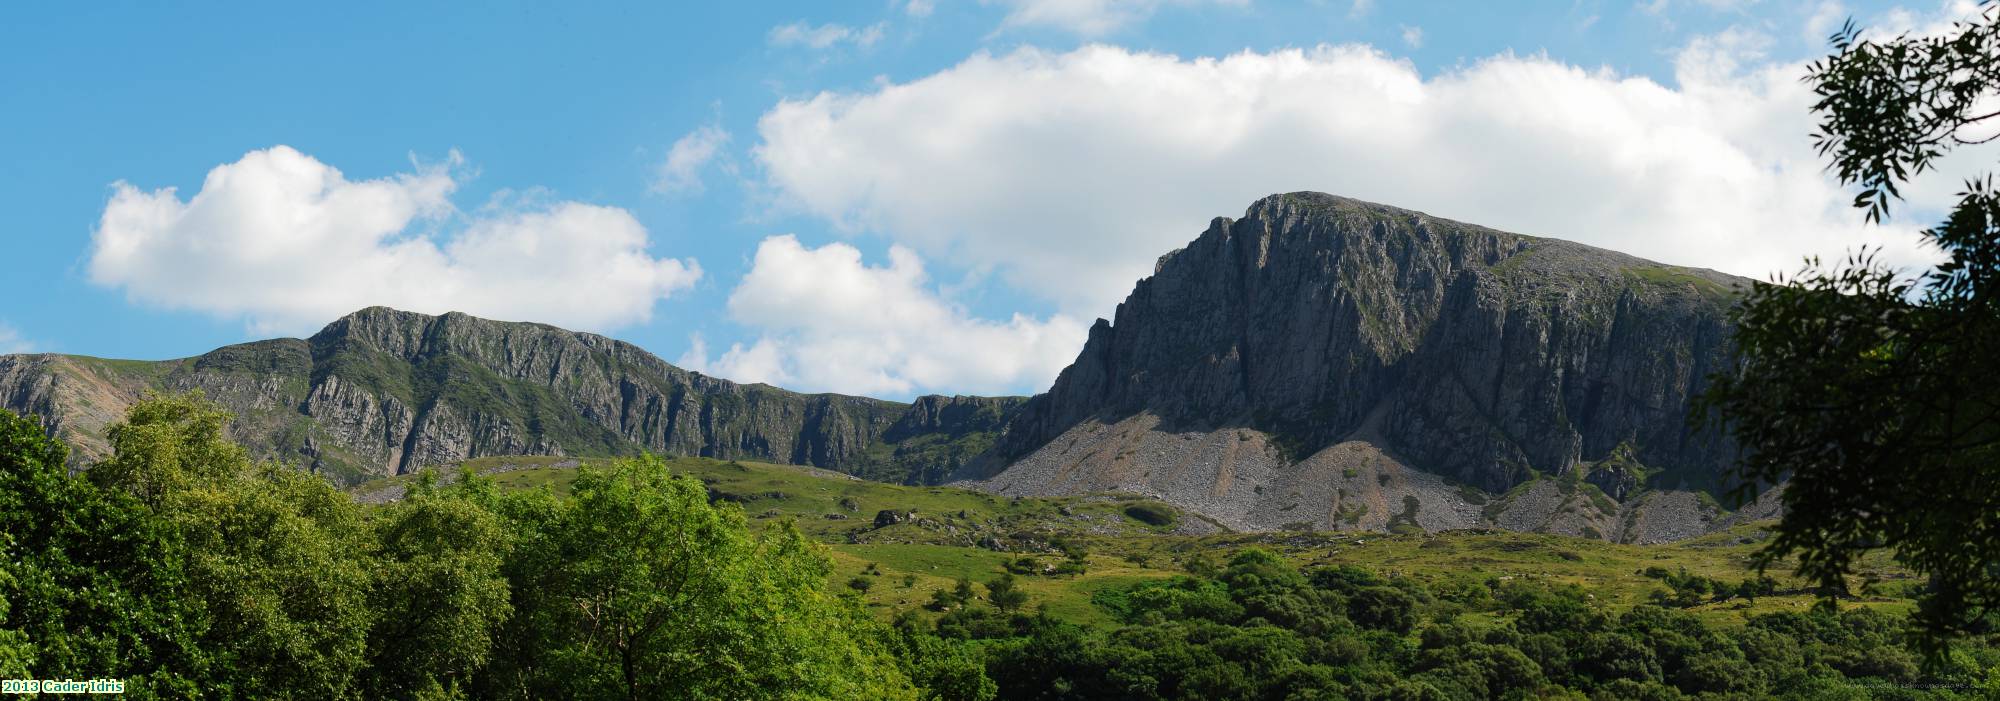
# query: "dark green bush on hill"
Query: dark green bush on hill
{"points": [[1152, 514]]}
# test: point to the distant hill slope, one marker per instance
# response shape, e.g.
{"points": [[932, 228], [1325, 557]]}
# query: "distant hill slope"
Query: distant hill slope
{"points": [[1325, 362], [382, 392]]}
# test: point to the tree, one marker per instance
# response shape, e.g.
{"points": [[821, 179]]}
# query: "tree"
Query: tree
{"points": [[438, 590], [275, 559], [1003, 593], [638, 588], [1874, 397]]}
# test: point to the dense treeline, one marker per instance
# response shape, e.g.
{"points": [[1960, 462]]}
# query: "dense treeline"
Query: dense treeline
{"points": [[186, 570], [1260, 628]]}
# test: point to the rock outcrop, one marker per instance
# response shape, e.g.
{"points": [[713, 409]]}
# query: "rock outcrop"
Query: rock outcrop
{"points": [[382, 392], [1325, 362]]}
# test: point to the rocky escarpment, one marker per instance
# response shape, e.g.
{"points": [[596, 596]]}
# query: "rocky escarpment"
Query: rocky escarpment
{"points": [[1327, 362], [383, 392], [937, 437]]}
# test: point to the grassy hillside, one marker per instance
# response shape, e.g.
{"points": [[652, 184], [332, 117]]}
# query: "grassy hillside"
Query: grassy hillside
{"points": [[947, 533]]}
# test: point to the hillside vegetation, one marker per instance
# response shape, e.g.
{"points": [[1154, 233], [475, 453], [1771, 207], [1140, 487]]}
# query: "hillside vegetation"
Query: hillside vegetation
{"points": [[183, 568], [942, 534]]}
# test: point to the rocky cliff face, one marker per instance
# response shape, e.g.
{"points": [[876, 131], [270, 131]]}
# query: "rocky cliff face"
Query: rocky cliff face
{"points": [[1324, 361], [384, 392]]}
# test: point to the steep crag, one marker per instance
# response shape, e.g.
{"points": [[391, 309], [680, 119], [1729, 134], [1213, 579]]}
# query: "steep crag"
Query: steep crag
{"points": [[1325, 362]]}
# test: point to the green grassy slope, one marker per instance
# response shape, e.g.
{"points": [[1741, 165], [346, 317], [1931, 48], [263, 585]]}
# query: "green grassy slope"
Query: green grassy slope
{"points": [[957, 533]]}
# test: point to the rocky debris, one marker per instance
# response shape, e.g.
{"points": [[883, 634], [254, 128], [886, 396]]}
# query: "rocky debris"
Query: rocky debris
{"points": [[890, 517], [1666, 516]]}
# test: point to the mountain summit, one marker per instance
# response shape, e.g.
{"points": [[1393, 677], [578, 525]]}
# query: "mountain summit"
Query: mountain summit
{"points": [[1327, 362]]}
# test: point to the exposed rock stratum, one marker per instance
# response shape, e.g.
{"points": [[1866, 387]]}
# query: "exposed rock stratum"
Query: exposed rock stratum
{"points": [[383, 392]]}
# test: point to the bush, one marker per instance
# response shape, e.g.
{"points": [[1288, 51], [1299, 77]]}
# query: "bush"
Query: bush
{"points": [[1152, 514]]}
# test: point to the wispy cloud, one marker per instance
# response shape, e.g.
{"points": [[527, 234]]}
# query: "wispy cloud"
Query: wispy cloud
{"points": [[826, 36], [680, 173], [12, 342], [1090, 17]]}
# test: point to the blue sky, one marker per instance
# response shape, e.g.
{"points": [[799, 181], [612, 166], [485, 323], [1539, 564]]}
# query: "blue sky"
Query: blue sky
{"points": [[878, 197]]}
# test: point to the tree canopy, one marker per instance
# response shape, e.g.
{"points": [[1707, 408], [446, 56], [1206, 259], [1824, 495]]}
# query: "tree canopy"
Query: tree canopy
{"points": [[1874, 395], [189, 571]]}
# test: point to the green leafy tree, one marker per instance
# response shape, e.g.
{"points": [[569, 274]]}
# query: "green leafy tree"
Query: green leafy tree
{"points": [[1005, 594], [946, 670], [1875, 397], [438, 591], [638, 588], [92, 581], [275, 558]]}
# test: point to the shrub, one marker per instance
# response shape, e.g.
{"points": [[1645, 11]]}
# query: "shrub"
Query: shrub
{"points": [[1152, 514]]}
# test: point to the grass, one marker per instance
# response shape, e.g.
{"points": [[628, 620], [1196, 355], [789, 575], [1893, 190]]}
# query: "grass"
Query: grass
{"points": [[1678, 278], [943, 542], [148, 371]]}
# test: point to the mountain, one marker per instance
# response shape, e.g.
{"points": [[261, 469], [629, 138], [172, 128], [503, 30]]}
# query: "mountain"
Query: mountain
{"points": [[1319, 363], [1325, 362], [384, 392]]}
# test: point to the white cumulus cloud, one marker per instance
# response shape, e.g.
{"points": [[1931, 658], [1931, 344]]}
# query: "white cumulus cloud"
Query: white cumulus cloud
{"points": [[288, 243], [681, 172], [1068, 174], [828, 321]]}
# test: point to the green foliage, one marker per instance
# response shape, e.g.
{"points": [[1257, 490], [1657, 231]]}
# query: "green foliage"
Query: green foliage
{"points": [[184, 569], [192, 573], [1873, 396], [1002, 593], [1152, 513], [1260, 628], [946, 669], [1690, 590], [439, 589], [639, 588], [924, 459], [92, 580]]}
